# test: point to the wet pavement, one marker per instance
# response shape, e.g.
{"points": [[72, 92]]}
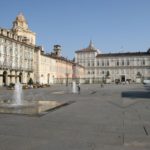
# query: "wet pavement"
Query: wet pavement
{"points": [[31, 108], [115, 117]]}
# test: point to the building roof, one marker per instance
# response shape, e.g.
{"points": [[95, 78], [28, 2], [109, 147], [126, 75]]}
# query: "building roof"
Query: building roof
{"points": [[90, 48], [123, 54], [9, 34]]}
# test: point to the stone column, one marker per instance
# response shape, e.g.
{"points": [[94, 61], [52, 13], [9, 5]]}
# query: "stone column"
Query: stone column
{"points": [[90, 80], [8, 79], [24, 77], [17, 78], [13, 77]]}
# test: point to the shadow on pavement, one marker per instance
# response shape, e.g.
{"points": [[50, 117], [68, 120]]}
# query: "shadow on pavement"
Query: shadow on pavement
{"points": [[147, 87], [136, 94]]}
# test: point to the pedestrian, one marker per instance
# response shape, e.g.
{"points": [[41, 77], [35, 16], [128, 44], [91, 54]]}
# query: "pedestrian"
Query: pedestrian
{"points": [[78, 89], [102, 85]]}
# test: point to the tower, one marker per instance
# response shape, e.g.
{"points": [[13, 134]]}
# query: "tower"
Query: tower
{"points": [[57, 50], [20, 27]]}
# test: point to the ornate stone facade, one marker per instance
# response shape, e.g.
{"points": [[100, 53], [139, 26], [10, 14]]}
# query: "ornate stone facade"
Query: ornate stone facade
{"points": [[113, 67], [21, 59], [20, 28], [16, 58]]}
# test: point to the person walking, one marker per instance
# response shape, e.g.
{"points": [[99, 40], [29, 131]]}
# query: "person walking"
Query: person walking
{"points": [[102, 84], [78, 87]]}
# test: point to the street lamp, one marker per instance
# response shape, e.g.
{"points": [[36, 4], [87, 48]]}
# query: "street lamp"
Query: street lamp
{"points": [[67, 74]]}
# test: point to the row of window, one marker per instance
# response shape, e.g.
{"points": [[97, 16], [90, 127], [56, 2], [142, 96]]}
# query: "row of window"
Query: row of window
{"points": [[122, 71], [10, 51], [85, 55], [115, 63]]}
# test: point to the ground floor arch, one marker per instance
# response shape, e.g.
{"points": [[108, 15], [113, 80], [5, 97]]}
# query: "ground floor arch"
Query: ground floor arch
{"points": [[14, 76], [4, 76]]}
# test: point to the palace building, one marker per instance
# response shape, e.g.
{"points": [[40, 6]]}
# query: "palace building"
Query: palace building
{"points": [[21, 59], [113, 67], [16, 52]]}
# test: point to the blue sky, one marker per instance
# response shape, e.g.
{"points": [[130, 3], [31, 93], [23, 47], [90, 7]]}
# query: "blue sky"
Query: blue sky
{"points": [[112, 25]]}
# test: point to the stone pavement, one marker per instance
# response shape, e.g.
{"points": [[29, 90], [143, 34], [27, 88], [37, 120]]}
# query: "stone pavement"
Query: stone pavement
{"points": [[116, 117]]}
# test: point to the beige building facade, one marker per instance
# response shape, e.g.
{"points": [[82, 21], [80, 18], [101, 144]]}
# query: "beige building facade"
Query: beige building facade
{"points": [[52, 68], [21, 59], [16, 59], [16, 54], [44, 67], [113, 67]]}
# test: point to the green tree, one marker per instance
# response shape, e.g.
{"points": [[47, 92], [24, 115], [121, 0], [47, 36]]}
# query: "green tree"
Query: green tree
{"points": [[30, 82], [138, 75], [107, 74]]}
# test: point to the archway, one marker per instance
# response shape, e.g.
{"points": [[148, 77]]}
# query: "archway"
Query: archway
{"points": [[5, 78], [20, 77]]}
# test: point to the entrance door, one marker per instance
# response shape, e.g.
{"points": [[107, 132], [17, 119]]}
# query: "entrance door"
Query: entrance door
{"points": [[20, 77], [123, 78]]}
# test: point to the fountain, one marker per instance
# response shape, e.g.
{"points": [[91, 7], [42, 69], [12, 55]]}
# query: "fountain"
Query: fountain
{"points": [[18, 95], [74, 88], [18, 105]]}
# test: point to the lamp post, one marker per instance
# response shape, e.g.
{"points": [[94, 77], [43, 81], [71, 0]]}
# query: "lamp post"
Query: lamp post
{"points": [[67, 79], [67, 74]]}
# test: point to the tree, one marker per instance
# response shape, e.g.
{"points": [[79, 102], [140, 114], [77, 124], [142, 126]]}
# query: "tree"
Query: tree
{"points": [[107, 74], [30, 82], [138, 75], [148, 50]]}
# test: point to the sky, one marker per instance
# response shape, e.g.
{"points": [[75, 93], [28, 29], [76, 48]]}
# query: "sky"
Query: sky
{"points": [[112, 25]]}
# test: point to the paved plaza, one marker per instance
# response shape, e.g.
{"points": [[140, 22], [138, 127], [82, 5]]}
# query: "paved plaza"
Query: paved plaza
{"points": [[113, 117]]}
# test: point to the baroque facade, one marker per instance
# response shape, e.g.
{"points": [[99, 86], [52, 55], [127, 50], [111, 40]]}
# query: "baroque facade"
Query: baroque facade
{"points": [[113, 67], [16, 54], [21, 59]]}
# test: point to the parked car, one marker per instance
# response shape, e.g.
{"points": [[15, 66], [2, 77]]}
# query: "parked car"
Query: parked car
{"points": [[146, 81]]}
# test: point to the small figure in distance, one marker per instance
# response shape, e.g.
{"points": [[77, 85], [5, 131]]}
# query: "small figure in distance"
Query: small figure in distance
{"points": [[102, 85], [78, 87]]}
